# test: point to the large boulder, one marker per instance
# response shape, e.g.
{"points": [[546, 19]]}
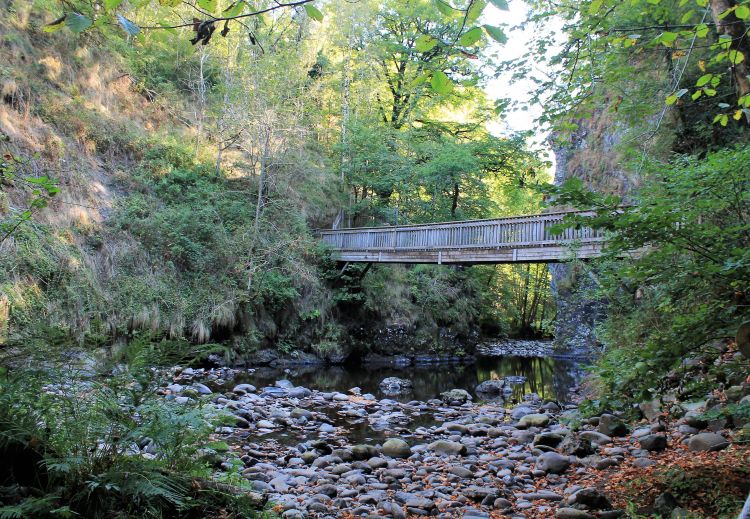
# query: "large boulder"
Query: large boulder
{"points": [[201, 388], [707, 442], [364, 452], [695, 419], [490, 388], [595, 437], [654, 442], [612, 426], [455, 397], [396, 448], [395, 385], [548, 439], [520, 411], [552, 463], [447, 447], [590, 498], [533, 420], [577, 446], [243, 389]]}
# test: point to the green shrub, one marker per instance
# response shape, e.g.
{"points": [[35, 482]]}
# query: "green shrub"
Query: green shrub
{"points": [[69, 440], [688, 284]]}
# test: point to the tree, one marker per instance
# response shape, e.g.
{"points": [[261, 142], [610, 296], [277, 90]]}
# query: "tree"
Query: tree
{"points": [[693, 53]]}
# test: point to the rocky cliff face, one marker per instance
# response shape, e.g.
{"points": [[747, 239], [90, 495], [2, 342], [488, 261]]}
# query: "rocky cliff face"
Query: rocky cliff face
{"points": [[591, 154]]}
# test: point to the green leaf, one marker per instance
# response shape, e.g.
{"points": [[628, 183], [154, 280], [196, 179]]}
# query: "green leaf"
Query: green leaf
{"points": [[170, 3], [672, 99], [701, 30], [687, 16], [56, 25], [425, 43], [667, 38], [234, 9], [701, 3], [111, 5], [441, 83], [742, 12], [595, 6], [130, 28], [418, 80], [697, 94], [496, 33], [77, 22], [207, 5], [735, 57], [475, 11], [703, 80], [470, 37], [444, 8], [313, 12], [500, 4], [725, 13]]}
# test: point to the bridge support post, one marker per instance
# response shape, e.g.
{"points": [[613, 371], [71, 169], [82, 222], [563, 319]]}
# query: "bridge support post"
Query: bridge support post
{"points": [[440, 257]]}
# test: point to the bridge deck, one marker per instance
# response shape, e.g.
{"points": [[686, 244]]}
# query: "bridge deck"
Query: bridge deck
{"points": [[518, 239]]}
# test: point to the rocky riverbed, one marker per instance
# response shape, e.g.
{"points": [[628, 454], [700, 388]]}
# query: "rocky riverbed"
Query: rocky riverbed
{"points": [[446, 457]]}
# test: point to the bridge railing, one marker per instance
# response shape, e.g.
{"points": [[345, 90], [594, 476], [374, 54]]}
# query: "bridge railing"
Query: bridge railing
{"points": [[517, 231]]}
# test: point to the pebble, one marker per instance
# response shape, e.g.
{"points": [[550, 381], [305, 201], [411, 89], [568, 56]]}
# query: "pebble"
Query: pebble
{"points": [[471, 460]]}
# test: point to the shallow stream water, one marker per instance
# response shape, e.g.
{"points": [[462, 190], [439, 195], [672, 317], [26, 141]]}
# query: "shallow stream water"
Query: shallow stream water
{"points": [[550, 378]]}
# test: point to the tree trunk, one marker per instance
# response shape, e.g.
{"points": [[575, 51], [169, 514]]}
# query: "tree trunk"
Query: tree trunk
{"points": [[201, 88], [262, 178], [526, 279], [345, 111], [454, 202]]}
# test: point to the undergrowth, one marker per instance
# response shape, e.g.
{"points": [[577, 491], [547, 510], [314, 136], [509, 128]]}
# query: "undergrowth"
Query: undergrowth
{"points": [[75, 445]]}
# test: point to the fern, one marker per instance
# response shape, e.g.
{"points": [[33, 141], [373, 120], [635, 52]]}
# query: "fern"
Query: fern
{"points": [[31, 507]]}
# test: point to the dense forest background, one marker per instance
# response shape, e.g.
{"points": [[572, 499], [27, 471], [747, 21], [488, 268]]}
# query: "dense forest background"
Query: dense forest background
{"points": [[190, 179]]}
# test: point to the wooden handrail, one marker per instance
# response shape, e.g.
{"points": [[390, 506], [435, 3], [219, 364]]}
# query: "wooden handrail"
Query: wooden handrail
{"points": [[510, 232], [552, 215]]}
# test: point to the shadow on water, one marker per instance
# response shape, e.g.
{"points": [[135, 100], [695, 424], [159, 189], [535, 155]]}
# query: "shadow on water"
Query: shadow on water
{"points": [[549, 377]]}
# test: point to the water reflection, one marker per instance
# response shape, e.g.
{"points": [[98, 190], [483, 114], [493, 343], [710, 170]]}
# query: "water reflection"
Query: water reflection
{"points": [[549, 377]]}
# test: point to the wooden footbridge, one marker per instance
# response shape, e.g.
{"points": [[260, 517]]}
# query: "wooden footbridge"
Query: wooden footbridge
{"points": [[517, 239]]}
